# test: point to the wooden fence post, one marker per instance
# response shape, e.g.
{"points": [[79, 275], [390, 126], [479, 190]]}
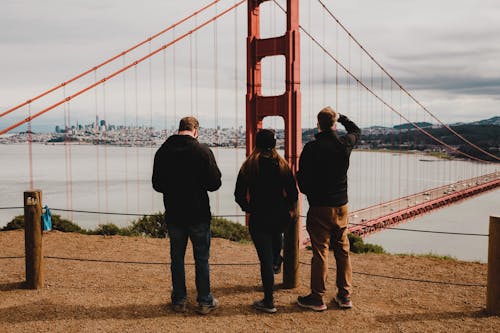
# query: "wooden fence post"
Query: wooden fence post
{"points": [[493, 286], [33, 239]]}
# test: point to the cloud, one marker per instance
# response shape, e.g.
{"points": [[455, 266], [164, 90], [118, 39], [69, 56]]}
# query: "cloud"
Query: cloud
{"points": [[456, 84], [446, 50], [469, 72]]}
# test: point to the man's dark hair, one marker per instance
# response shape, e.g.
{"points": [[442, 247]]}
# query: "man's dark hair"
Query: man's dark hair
{"points": [[188, 124], [326, 118]]}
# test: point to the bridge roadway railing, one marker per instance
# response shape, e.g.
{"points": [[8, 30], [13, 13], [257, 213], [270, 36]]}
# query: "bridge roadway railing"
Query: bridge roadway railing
{"points": [[379, 217]]}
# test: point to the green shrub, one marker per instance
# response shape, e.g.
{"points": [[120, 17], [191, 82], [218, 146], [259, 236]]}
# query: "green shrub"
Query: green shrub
{"points": [[64, 225], [359, 246], [107, 229], [222, 228], [150, 226], [58, 223], [428, 255], [16, 223], [154, 226]]}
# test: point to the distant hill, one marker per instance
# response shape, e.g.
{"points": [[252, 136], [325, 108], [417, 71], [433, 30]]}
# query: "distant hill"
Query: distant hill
{"points": [[495, 121], [492, 121], [410, 126], [486, 136]]}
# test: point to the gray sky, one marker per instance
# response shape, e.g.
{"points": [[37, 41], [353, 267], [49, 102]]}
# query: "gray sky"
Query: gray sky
{"points": [[445, 52]]}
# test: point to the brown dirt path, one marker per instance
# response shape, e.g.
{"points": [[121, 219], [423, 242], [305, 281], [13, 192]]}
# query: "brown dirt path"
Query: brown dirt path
{"points": [[82, 296]]}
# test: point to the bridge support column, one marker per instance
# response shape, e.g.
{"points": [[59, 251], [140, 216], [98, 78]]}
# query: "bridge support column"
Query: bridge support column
{"points": [[33, 239], [493, 286], [286, 106]]}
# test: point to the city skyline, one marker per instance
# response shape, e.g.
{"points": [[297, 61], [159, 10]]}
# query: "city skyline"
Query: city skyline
{"points": [[51, 128]]}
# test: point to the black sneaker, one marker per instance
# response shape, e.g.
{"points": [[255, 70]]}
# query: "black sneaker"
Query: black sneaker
{"points": [[179, 307], [310, 302], [207, 308], [277, 266], [264, 306], [344, 302]]}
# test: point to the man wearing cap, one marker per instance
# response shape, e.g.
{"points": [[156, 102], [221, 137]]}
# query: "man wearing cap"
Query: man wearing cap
{"points": [[322, 177], [184, 170]]}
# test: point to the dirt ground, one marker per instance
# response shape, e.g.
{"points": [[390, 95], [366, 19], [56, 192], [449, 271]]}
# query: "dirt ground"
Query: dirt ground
{"points": [[90, 296]]}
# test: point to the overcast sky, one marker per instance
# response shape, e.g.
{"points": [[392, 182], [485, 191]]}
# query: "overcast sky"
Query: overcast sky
{"points": [[445, 52]]}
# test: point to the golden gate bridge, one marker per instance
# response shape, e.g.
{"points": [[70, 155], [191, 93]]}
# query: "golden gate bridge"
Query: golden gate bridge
{"points": [[206, 63]]}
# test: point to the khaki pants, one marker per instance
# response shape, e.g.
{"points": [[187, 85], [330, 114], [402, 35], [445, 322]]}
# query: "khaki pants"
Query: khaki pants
{"points": [[328, 225]]}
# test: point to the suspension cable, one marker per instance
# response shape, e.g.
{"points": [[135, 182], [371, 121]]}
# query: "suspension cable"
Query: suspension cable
{"points": [[350, 74], [149, 39], [147, 56], [401, 86]]}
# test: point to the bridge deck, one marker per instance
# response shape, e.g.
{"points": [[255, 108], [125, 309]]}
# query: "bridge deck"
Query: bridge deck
{"points": [[378, 217]]}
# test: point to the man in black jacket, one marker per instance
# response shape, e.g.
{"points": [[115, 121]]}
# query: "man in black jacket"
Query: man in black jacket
{"points": [[322, 176], [184, 170]]}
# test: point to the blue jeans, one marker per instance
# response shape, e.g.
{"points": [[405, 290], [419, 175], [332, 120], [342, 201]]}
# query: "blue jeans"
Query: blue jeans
{"points": [[268, 246], [199, 234]]}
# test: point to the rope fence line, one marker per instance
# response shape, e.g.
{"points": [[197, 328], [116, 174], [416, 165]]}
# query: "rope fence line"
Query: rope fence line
{"points": [[109, 261], [425, 231], [12, 257], [254, 264], [421, 281], [243, 215], [96, 212], [409, 279], [428, 231], [145, 262]]}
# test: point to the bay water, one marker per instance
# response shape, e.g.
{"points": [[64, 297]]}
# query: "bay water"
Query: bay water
{"points": [[118, 180]]}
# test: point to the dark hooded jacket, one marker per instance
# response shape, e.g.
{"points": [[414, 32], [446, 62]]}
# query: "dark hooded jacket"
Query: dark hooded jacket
{"points": [[323, 166], [268, 197], [184, 170]]}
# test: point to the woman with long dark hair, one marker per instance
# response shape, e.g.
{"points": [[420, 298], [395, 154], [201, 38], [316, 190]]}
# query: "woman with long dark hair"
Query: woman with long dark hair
{"points": [[266, 190]]}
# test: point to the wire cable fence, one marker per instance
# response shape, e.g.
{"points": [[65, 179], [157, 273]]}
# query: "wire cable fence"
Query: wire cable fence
{"points": [[107, 261], [254, 263], [427, 231], [250, 263], [243, 215]]}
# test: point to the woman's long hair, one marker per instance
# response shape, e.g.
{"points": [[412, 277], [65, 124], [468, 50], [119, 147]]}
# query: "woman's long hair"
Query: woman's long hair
{"points": [[250, 168]]}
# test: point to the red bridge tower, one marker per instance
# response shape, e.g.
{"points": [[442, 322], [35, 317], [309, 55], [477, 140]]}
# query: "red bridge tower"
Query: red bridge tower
{"points": [[286, 105]]}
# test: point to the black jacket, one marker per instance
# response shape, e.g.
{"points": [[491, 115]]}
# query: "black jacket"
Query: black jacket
{"points": [[271, 195], [323, 165], [184, 170]]}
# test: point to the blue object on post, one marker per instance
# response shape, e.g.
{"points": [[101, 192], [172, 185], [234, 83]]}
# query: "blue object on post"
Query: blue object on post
{"points": [[46, 218]]}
